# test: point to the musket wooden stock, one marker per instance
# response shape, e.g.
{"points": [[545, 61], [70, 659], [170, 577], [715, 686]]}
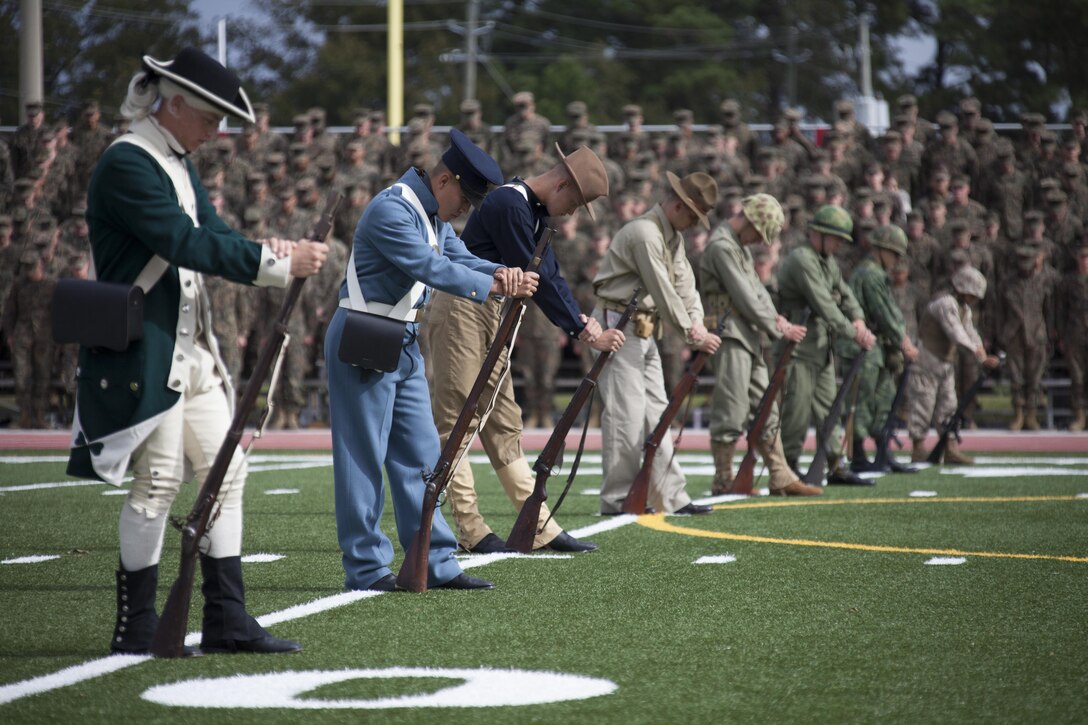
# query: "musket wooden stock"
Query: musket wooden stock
{"points": [[525, 527], [635, 501], [413, 572], [745, 478], [169, 639], [815, 474]]}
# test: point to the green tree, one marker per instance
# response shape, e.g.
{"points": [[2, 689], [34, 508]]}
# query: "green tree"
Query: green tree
{"points": [[92, 50]]}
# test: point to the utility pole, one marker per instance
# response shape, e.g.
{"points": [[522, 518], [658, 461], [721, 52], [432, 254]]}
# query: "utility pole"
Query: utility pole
{"points": [[470, 43], [30, 55], [791, 58], [866, 56]]}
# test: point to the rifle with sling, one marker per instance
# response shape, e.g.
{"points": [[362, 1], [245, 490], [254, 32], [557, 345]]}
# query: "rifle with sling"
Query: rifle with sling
{"points": [[525, 527], [953, 425], [169, 639], [745, 478], [816, 471], [413, 572], [635, 501], [882, 460]]}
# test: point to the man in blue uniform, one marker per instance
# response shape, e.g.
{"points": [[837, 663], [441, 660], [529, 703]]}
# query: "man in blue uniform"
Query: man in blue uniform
{"points": [[404, 239], [164, 404], [506, 229]]}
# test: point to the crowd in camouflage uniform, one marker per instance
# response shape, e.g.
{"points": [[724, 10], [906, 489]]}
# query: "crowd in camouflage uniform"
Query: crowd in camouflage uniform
{"points": [[963, 193]]}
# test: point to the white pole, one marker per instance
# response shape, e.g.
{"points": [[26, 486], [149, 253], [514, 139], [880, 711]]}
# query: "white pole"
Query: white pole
{"points": [[866, 59], [223, 61]]}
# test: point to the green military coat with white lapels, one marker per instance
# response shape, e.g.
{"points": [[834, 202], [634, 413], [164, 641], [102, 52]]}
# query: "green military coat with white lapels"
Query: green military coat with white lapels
{"points": [[145, 199]]}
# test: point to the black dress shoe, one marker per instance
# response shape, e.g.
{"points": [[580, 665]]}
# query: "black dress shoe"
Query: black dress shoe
{"points": [[490, 544], [693, 509], [262, 645], [843, 477], [466, 581], [387, 583], [569, 545], [898, 467]]}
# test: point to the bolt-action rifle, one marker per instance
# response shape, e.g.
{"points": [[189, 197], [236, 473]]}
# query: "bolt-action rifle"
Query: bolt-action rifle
{"points": [[525, 527], [816, 471], [635, 501], [413, 572], [952, 426], [745, 478]]}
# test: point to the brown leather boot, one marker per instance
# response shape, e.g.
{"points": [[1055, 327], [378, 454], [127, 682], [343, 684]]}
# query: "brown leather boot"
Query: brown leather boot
{"points": [[1078, 419], [955, 457], [1017, 422], [918, 452], [723, 466], [798, 488], [1031, 421]]}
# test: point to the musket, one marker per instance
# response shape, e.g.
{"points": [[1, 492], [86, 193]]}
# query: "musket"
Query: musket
{"points": [[745, 478], [635, 501], [169, 639], [882, 460], [525, 527], [413, 572], [816, 471], [952, 426]]}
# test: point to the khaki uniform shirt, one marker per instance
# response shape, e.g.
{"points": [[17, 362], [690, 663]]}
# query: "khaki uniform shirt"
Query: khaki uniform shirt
{"points": [[649, 254], [729, 281]]}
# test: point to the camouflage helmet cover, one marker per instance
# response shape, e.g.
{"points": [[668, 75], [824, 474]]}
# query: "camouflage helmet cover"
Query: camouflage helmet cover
{"points": [[833, 220], [765, 214], [969, 281], [889, 237]]}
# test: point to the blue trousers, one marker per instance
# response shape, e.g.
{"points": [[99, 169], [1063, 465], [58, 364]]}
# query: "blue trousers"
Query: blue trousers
{"points": [[382, 419]]}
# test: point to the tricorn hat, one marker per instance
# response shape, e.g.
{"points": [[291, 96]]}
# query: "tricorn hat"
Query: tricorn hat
{"points": [[201, 74]]}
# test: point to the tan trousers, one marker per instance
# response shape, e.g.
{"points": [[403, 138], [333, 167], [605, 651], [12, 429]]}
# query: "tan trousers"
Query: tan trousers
{"points": [[932, 395], [632, 389], [459, 333]]}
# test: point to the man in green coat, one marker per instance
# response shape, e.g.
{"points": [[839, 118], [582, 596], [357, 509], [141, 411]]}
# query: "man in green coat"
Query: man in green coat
{"points": [[810, 278], [730, 282], [876, 382], [164, 404]]}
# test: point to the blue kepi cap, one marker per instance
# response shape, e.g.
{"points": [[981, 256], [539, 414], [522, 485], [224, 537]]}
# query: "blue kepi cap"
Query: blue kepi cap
{"points": [[475, 170]]}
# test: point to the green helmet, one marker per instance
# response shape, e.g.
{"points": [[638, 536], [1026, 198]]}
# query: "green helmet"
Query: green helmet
{"points": [[833, 220], [889, 237]]}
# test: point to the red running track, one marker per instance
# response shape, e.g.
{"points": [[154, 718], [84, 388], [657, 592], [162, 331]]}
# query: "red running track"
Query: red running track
{"points": [[979, 441]]}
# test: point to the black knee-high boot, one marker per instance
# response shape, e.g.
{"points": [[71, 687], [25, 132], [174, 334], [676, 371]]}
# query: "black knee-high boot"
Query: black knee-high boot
{"points": [[228, 627], [136, 617]]}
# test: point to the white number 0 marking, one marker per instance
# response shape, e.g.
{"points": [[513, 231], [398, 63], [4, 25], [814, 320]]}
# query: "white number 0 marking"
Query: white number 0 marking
{"points": [[482, 687]]}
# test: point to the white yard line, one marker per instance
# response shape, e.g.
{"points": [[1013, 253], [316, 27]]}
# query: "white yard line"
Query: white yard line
{"points": [[106, 665]]}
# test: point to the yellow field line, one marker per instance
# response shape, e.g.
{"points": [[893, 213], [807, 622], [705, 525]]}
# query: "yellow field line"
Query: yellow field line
{"points": [[657, 522]]}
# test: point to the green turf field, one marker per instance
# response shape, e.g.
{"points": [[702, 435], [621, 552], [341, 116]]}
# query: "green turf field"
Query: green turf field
{"points": [[936, 597]]}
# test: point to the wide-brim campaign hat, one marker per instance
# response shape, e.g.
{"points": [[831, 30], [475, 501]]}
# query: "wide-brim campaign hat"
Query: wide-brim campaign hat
{"points": [[474, 169], [588, 172], [698, 191], [199, 73]]}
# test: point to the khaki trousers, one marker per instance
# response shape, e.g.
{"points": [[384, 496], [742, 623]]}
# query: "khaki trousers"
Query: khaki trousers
{"points": [[740, 379], [632, 389], [459, 333]]}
